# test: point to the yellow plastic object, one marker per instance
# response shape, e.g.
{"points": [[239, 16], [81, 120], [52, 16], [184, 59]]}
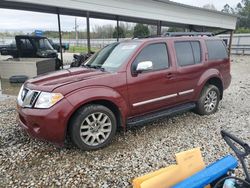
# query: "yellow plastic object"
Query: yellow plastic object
{"points": [[167, 178], [138, 182], [188, 163]]}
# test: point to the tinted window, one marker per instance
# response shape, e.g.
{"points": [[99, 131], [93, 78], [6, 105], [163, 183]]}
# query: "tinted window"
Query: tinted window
{"points": [[157, 53], [188, 52], [25, 44], [196, 51], [184, 53], [216, 50]]}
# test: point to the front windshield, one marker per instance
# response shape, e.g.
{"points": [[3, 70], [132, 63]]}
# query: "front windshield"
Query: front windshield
{"points": [[112, 56], [43, 44]]}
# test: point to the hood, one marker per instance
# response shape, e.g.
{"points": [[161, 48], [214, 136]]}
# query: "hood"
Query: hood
{"points": [[49, 82]]}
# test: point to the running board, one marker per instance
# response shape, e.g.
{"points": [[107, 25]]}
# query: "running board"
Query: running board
{"points": [[159, 114]]}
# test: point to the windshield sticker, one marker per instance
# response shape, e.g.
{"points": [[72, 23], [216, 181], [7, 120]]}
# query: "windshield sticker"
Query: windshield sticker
{"points": [[129, 47]]}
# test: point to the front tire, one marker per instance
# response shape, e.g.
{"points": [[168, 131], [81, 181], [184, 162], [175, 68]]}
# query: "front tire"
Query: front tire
{"points": [[92, 127], [209, 100]]}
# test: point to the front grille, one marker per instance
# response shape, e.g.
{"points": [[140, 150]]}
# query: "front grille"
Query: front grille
{"points": [[28, 97], [33, 98]]}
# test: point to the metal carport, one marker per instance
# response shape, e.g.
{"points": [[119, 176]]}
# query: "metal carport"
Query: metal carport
{"points": [[154, 12]]}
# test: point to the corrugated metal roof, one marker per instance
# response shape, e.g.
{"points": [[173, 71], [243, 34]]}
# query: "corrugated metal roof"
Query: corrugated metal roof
{"points": [[145, 11]]}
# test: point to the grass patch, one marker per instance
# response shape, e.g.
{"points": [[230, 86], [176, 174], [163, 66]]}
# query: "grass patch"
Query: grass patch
{"points": [[81, 49]]}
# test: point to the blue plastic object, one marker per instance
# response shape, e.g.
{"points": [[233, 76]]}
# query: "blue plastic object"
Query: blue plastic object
{"points": [[211, 173]]}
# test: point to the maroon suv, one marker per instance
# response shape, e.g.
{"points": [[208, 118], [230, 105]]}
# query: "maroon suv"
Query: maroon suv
{"points": [[125, 84]]}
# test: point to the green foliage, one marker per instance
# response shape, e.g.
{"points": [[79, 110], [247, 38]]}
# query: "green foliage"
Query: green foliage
{"points": [[242, 9], [228, 9], [81, 49], [243, 30], [141, 30], [121, 32]]}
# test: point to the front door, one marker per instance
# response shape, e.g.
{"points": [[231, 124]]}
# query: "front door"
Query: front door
{"points": [[154, 88]]}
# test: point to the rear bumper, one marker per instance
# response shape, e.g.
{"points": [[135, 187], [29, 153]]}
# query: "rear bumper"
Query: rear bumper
{"points": [[46, 124]]}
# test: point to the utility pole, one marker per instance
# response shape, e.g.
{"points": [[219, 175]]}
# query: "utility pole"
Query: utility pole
{"points": [[76, 30]]}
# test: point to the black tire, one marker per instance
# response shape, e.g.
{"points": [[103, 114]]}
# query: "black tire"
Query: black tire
{"points": [[18, 79], [79, 119], [202, 106]]}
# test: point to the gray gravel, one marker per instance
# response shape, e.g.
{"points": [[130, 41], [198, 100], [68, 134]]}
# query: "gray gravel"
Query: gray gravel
{"points": [[28, 162]]}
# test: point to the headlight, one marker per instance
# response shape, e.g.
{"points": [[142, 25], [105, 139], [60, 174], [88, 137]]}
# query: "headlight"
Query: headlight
{"points": [[46, 100], [21, 93]]}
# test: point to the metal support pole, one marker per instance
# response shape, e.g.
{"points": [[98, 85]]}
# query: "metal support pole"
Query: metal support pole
{"points": [[117, 26], [88, 34], [60, 35], [159, 28], [230, 42], [190, 27]]}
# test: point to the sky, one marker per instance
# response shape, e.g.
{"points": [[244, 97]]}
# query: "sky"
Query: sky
{"points": [[13, 20]]}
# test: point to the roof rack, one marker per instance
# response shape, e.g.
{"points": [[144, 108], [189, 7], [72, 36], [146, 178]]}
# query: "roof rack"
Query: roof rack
{"points": [[178, 34], [191, 34], [149, 36]]}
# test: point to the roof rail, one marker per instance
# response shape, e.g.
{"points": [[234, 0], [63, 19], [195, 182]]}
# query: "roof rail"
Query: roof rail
{"points": [[180, 34], [177, 34], [149, 36]]}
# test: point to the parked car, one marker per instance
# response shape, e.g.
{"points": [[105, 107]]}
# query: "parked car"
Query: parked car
{"points": [[125, 84], [31, 47], [65, 46]]}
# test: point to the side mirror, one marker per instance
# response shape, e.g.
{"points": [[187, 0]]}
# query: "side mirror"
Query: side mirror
{"points": [[144, 66]]}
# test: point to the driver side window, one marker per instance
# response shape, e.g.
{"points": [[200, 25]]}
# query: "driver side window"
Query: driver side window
{"points": [[156, 53]]}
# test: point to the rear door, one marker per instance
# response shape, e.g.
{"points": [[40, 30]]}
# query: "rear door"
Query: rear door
{"points": [[154, 89], [190, 66], [218, 59]]}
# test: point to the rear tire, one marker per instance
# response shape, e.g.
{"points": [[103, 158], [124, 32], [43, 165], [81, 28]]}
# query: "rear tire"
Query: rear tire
{"points": [[92, 127], [209, 100]]}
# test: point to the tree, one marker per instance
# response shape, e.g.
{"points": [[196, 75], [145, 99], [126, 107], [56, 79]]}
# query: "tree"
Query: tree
{"points": [[228, 9], [141, 30], [209, 6], [121, 32]]}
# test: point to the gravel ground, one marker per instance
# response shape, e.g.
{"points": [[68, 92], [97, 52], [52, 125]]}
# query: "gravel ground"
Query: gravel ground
{"points": [[29, 162]]}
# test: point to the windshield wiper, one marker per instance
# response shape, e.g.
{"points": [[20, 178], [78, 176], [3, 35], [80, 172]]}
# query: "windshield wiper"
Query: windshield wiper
{"points": [[97, 67], [86, 66]]}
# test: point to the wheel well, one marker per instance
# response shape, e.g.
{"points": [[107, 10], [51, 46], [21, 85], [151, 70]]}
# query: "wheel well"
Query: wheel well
{"points": [[107, 104], [112, 107], [218, 83]]}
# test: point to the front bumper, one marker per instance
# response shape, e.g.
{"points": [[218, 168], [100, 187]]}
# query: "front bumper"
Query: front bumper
{"points": [[46, 124]]}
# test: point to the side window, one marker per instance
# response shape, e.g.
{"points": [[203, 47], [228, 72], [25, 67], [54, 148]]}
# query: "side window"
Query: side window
{"points": [[184, 53], [157, 53], [25, 44], [216, 50], [196, 47]]}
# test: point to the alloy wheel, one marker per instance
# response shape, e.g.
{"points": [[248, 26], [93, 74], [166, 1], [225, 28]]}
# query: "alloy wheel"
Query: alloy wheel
{"points": [[95, 129], [211, 101]]}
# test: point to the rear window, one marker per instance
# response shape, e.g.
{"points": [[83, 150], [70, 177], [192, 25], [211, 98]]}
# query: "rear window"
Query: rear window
{"points": [[188, 53], [216, 50]]}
